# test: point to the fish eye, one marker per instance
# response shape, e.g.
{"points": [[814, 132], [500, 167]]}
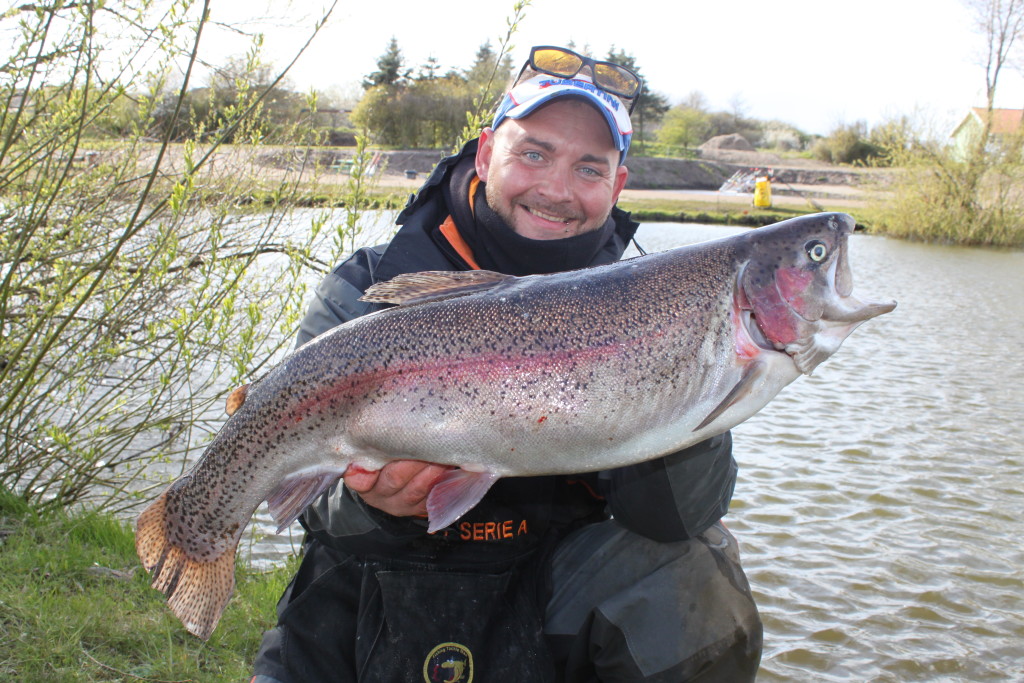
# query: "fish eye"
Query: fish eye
{"points": [[816, 250]]}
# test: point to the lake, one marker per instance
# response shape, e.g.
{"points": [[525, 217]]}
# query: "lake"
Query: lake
{"points": [[880, 502]]}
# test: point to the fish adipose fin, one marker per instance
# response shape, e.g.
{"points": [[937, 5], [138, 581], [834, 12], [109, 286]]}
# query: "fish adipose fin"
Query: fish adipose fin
{"points": [[455, 494], [751, 376], [197, 592], [235, 399], [291, 496], [432, 285]]}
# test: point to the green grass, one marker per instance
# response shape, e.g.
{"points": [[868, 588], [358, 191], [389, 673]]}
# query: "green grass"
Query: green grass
{"points": [[728, 213], [76, 606]]}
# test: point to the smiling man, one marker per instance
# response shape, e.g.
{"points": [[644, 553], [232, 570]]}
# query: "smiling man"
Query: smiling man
{"points": [[623, 575], [553, 175]]}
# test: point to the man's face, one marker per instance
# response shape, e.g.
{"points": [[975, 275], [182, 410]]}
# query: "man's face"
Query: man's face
{"points": [[553, 174]]}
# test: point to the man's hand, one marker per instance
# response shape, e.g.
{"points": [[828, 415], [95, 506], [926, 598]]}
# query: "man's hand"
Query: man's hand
{"points": [[399, 488]]}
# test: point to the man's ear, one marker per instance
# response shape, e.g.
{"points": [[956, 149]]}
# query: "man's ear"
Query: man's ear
{"points": [[621, 175], [484, 150]]}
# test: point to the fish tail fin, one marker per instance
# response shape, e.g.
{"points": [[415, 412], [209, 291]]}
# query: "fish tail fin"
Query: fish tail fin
{"points": [[197, 592]]}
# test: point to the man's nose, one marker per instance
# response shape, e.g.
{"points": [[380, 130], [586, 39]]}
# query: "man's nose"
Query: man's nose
{"points": [[557, 185]]}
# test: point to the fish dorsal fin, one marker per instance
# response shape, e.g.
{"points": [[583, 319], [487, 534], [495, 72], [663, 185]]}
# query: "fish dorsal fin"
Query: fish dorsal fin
{"points": [[432, 285]]}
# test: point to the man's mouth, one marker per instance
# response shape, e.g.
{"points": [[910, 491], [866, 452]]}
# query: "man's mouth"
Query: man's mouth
{"points": [[548, 216]]}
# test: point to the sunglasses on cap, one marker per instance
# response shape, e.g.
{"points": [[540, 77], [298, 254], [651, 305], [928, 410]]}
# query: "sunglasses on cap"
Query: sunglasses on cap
{"points": [[608, 76]]}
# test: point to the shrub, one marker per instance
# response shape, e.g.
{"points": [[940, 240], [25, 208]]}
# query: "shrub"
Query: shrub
{"points": [[846, 145]]}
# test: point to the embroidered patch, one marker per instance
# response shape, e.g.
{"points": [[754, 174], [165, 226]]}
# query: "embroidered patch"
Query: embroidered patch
{"points": [[449, 663]]}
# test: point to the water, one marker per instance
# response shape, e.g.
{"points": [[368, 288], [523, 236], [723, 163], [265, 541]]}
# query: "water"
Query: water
{"points": [[880, 502], [879, 506]]}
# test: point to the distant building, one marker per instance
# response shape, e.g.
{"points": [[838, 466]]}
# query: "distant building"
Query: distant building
{"points": [[1005, 122]]}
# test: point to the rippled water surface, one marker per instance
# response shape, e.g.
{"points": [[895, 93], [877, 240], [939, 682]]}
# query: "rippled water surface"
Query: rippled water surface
{"points": [[879, 507]]}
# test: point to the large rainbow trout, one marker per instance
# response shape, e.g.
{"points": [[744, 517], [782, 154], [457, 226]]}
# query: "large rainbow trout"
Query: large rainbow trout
{"points": [[502, 376]]}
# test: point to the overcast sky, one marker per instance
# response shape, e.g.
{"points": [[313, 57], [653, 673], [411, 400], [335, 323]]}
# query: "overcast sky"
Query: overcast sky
{"points": [[813, 63]]}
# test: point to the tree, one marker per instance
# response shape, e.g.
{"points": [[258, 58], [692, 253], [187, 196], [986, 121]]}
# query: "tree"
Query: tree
{"points": [[847, 144], [973, 200], [391, 69], [650, 106], [485, 63], [489, 74], [431, 111], [684, 126], [429, 69]]}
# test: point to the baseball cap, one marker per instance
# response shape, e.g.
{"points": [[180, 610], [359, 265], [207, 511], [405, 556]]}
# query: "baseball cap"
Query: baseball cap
{"points": [[529, 94]]}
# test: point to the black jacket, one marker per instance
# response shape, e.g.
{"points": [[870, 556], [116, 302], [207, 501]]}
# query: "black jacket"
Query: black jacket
{"points": [[671, 498]]}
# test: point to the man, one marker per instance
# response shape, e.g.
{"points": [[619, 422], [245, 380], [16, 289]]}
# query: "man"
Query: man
{"points": [[624, 575]]}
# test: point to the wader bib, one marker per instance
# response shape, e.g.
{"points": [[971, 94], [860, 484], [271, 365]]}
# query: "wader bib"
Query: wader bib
{"points": [[384, 620]]}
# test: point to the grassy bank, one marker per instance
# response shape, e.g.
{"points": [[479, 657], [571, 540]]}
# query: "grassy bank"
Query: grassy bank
{"points": [[76, 606], [724, 213], [642, 210]]}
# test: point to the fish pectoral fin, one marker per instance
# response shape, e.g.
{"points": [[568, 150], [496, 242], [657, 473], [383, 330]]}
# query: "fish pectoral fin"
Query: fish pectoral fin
{"points": [[455, 494], [290, 497], [432, 285], [235, 399], [752, 374]]}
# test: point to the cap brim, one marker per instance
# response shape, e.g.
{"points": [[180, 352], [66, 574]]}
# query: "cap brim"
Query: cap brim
{"points": [[527, 97]]}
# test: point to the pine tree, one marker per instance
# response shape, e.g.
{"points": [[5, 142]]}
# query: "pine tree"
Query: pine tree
{"points": [[651, 106], [390, 68]]}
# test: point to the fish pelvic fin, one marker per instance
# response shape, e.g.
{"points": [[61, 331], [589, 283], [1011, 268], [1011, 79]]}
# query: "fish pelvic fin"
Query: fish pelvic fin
{"points": [[455, 494], [291, 496], [197, 592], [752, 374], [432, 285]]}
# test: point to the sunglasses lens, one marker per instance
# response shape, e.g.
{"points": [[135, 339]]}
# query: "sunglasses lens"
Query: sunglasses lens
{"points": [[615, 80], [557, 62]]}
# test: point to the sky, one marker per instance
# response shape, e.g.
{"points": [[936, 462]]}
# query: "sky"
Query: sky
{"points": [[815, 64]]}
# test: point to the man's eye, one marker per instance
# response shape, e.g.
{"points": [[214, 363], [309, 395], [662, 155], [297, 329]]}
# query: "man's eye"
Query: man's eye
{"points": [[533, 156]]}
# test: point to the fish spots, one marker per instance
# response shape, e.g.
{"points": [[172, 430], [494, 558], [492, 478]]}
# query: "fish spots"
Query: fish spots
{"points": [[542, 419]]}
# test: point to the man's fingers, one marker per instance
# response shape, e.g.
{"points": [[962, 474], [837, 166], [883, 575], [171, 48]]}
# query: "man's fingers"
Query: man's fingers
{"points": [[361, 480], [395, 476], [400, 488], [418, 487]]}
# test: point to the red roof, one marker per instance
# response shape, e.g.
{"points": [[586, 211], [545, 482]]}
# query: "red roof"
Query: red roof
{"points": [[1003, 120]]}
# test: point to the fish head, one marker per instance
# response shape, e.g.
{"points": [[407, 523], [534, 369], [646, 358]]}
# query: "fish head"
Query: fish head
{"points": [[795, 288]]}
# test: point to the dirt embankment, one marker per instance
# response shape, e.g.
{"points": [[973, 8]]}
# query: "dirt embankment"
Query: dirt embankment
{"points": [[803, 178], [651, 173]]}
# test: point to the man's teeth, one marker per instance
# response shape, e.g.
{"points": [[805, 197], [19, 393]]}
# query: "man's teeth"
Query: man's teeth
{"points": [[550, 217]]}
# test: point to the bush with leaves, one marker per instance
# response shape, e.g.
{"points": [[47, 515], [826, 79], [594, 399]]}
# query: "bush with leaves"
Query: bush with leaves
{"points": [[133, 291], [847, 144]]}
